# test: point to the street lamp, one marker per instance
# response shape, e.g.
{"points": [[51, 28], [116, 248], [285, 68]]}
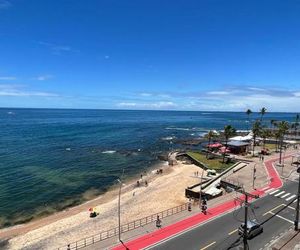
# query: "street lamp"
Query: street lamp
{"points": [[200, 193], [298, 199], [254, 175], [119, 208]]}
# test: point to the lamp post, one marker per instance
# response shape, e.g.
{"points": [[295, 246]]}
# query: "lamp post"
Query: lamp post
{"points": [[119, 209], [200, 194], [119, 205], [254, 175], [298, 200]]}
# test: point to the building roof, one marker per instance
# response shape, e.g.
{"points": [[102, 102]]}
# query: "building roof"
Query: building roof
{"points": [[237, 143]]}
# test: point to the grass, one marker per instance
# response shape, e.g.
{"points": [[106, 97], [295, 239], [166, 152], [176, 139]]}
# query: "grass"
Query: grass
{"points": [[210, 163], [270, 146]]}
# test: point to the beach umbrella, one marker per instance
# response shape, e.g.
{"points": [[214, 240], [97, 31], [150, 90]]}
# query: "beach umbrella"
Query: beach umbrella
{"points": [[215, 145], [224, 150]]}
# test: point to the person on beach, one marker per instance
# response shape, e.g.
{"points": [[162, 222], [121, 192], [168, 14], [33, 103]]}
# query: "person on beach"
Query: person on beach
{"points": [[158, 222]]}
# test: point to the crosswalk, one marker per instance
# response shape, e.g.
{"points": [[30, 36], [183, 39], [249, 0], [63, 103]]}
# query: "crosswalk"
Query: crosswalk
{"points": [[281, 194]]}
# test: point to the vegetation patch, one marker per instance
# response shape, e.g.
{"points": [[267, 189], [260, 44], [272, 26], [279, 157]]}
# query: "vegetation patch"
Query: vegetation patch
{"points": [[215, 163], [270, 146]]}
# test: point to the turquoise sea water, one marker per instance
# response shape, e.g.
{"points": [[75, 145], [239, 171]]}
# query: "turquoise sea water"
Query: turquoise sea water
{"points": [[51, 158]]}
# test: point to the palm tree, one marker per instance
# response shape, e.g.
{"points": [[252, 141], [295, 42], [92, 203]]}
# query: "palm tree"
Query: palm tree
{"points": [[273, 124], [248, 112], [283, 127], [210, 135], [228, 132], [296, 124], [262, 113], [256, 130], [277, 136], [265, 133]]}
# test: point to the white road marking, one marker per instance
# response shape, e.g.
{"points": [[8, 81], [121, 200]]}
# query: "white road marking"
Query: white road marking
{"points": [[291, 197], [280, 193], [269, 190], [281, 217], [285, 195], [275, 191]]}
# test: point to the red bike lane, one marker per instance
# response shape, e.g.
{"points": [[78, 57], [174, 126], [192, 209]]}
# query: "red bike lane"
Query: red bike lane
{"points": [[181, 226]]}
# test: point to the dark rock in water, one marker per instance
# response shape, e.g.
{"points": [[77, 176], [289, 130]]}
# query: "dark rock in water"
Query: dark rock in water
{"points": [[163, 157], [192, 141], [125, 152]]}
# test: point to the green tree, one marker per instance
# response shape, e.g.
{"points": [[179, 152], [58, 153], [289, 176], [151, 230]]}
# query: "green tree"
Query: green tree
{"points": [[295, 125], [273, 124], [210, 135], [256, 130], [248, 112], [283, 127], [262, 113], [228, 132], [265, 133]]}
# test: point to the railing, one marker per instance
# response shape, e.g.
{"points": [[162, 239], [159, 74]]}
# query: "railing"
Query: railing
{"points": [[124, 228]]}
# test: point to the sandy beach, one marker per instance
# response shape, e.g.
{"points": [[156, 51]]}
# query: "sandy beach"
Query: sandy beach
{"points": [[164, 191]]}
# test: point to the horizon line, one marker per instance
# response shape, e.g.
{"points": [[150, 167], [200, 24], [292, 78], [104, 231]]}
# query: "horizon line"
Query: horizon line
{"points": [[158, 110]]}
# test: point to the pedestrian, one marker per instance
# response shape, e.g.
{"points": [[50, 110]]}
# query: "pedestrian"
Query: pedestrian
{"points": [[146, 183], [158, 222], [68, 247], [133, 194], [189, 206]]}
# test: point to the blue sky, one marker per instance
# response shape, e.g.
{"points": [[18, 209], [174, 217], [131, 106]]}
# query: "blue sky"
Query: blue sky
{"points": [[171, 55]]}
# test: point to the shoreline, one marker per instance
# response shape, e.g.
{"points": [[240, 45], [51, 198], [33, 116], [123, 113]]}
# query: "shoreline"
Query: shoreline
{"points": [[71, 225], [108, 195]]}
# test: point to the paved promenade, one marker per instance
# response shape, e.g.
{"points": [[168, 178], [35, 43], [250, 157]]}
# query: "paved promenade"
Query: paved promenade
{"points": [[184, 220]]}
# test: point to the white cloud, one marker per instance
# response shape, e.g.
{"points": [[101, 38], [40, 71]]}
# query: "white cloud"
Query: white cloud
{"points": [[18, 91], [58, 49], [146, 94], [154, 105], [8, 78], [4, 4], [42, 77], [218, 93]]}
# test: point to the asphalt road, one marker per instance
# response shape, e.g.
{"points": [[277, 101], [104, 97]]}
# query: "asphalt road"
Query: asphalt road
{"points": [[275, 211]]}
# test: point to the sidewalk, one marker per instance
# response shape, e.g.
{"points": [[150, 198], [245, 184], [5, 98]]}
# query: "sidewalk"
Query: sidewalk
{"points": [[187, 219], [150, 228], [289, 240]]}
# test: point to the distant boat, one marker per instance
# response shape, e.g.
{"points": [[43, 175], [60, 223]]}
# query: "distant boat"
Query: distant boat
{"points": [[10, 113]]}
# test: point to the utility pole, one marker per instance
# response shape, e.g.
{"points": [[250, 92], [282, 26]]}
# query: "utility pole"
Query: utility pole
{"points": [[119, 205], [254, 175], [200, 194], [246, 222], [298, 200], [119, 209], [247, 195]]}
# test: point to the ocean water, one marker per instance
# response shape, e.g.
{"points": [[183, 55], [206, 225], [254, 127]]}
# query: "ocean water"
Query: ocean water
{"points": [[54, 158]]}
